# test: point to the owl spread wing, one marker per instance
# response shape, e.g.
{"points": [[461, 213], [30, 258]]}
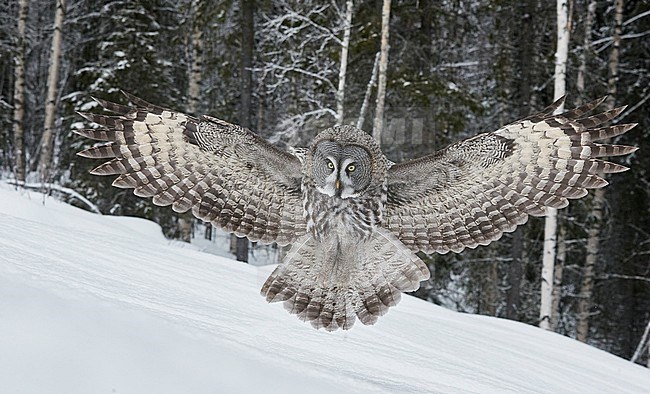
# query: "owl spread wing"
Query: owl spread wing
{"points": [[473, 191], [224, 173]]}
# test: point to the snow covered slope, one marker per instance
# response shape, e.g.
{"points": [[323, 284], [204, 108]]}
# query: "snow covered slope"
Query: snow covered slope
{"points": [[91, 303]]}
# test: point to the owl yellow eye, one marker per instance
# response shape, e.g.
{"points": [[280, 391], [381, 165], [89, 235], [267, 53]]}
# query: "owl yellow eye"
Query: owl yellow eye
{"points": [[330, 165], [351, 168]]}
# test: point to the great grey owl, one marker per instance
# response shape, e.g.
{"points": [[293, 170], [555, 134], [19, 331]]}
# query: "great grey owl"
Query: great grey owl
{"points": [[354, 219]]}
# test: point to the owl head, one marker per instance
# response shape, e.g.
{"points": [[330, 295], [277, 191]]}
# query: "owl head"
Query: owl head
{"points": [[345, 162]]}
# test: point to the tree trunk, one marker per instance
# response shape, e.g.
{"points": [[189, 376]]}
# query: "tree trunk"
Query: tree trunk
{"points": [[45, 162], [340, 94], [513, 295], [196, 61], [586, 48], [383, 66], [208, 231], [580, 99], [560, 261], [245, 114], [613, 56], [366, 98], [19, 95], [521, 58], [598, 202], [193, 96], [491, 289], [185, 228], [245, 110], [550, 224], [643, 344]]}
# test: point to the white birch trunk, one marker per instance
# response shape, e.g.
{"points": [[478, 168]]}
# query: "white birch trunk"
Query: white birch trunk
{"points": [[366, 98], [51, 100], [643, 344], [19, 95], [550, 224], [345, 46], [383, 66], [586, 48], [580, 87], [593, 233]]}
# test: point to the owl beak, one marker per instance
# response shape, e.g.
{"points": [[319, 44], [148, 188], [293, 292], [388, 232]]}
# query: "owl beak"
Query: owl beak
{"points": [[337, 184]]}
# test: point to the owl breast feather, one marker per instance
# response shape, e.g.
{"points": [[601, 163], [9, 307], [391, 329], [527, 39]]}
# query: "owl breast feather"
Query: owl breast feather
{"points": [[350, 217]]}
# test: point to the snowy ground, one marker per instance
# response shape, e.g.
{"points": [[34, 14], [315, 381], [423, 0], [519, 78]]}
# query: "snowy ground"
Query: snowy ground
{"points": [[92, 303]]}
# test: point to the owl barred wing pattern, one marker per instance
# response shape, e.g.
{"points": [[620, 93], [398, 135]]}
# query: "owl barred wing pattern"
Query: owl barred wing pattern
{"points": [[225, 174], [473, 191]]}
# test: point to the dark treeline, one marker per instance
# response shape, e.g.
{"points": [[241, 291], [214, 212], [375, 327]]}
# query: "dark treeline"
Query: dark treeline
{"points": [[455, 68]]}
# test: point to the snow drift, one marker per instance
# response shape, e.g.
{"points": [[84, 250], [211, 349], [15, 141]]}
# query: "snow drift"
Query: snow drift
{"points": [[92, 303]]}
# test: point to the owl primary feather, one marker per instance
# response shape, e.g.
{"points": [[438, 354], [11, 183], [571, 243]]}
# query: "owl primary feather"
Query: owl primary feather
{"points": [[354, 219]]}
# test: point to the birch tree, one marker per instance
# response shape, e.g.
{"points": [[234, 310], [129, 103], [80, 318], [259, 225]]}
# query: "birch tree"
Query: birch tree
{"points": [[345, 46], [598, 202], [383, 66], [580, 87], [643, 345], [550, 223], [19, 94], [45, 162], [366, 97]]}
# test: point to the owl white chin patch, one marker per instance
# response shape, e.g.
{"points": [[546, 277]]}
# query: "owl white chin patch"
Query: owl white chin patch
{"points": [[348, 193], [331, 192], [327, 190]]}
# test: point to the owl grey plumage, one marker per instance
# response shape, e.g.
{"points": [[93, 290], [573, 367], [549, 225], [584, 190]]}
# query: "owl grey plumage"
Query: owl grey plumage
{"points": [[346, 266], [354, 219]]}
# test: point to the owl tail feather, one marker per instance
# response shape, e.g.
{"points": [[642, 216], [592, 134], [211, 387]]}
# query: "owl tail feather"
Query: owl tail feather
{"points": [[332, 282]]}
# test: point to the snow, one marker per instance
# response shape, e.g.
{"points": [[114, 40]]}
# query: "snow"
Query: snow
{"points": [[92, 303], [89, 105], [78, 126]]}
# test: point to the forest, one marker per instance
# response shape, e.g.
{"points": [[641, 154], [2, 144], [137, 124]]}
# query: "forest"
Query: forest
{"points": [[288, 69]]}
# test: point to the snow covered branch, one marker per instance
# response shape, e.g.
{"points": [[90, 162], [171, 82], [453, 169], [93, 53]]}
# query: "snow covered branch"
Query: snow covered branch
{"points": [[51, 186]]}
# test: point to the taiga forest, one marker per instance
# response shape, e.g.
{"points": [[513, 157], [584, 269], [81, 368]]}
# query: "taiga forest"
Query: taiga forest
{"points": [[417, 74]]}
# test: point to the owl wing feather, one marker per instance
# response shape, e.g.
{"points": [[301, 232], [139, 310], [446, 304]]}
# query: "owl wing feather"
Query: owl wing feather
{"points": [[223, 173], [473, 191]]}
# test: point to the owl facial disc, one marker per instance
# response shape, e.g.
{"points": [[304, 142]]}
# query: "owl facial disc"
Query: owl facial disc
{"points": [[341, 171]]}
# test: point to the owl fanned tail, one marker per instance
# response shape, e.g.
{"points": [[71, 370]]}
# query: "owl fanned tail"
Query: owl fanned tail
{"points": [[332, 282]]}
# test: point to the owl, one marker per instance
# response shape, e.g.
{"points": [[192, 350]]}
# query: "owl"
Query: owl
{"points": [[354, 219]]}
